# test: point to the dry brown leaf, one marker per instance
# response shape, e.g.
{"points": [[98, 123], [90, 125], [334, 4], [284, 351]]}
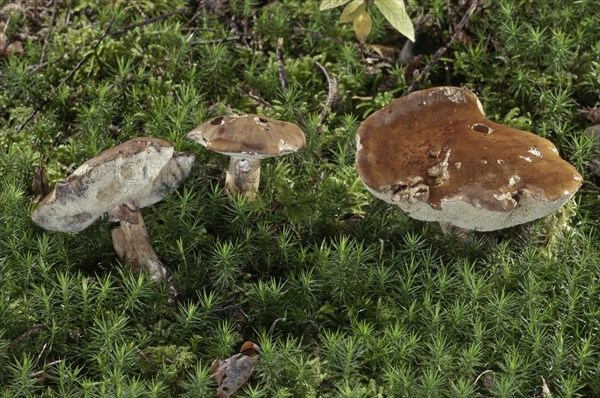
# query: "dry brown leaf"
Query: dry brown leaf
{"points": [[388, 53], [545, 390], [591, 114], [3, 40], [233, 372], [39, 185], [594, 133], [14, 48]]}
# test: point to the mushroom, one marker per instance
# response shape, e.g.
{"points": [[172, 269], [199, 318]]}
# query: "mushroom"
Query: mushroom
{"points": [[119, 181], [247, 139], [434, 154]]}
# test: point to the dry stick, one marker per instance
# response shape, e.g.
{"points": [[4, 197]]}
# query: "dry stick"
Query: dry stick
{"points": [[216, 41], [35, 68], [86, 56], [52, 24], [442, 50], [272, 329], [280, 67], [332, 93], [257, 98], [35, 329], [301, 31], [69, 76]]}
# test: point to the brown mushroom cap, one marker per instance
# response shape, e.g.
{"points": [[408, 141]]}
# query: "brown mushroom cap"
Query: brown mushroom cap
{"points": [[141, 170], [251, 136], [435, 155]]}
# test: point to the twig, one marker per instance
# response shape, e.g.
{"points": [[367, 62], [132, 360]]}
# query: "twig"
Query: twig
{"points": [[69, 76], [272, 329], [149, 21], [52, 24], [488, 371], [216, 41], [442, 50], [35, 329], [258, 98], [332, 93], [545, 390], [87, 56], [302, 31], [280, 67], [35, 68]]}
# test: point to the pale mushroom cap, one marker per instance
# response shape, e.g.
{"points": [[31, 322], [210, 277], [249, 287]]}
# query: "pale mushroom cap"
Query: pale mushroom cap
{"points": [[142, 170], [252, 136], [434, 154], [171, 176]]}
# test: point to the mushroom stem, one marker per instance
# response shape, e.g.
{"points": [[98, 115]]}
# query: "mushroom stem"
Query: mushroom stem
{"points": [[243, 176], [131, 241]]}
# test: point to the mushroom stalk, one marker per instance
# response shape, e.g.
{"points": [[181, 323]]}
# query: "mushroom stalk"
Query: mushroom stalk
{"points": [[243, 176], [131, 241]]}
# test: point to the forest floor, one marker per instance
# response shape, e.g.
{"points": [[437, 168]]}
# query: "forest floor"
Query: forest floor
{"points": [[345, 294]]}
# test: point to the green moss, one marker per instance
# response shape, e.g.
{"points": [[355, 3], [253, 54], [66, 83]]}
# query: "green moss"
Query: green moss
{"points": [[345, 294]]}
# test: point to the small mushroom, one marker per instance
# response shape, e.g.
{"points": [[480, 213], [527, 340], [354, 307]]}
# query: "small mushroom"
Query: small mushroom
{"points": [[119, 181], [247, 139], [486, 177]]}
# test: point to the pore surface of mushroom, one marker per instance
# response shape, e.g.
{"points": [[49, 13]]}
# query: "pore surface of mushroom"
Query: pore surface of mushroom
{"points": [[119, 181], [434, 154], [247, 139]]}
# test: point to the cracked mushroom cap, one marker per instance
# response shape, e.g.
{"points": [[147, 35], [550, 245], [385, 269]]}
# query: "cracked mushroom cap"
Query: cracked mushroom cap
{"points": [[143, 170], [434, 154], [250, 136]]}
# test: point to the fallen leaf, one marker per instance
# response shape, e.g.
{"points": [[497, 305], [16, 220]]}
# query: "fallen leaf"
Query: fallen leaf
{"points": [[39, 185], [14, 48], [591, 114], [3, 41], [233, 372], [545, 390], [594, 133], [388, 53]]}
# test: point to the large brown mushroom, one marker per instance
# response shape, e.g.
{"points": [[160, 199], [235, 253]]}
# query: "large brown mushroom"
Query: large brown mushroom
{"points": [[434, 154], [247, 139], [119, 181]]}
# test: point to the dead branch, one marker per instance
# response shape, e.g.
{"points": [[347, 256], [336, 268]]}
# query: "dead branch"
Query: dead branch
{"points": [[216, 41], [35, 329], [280, 66], [442, 50], [332, 93], [257, 98], [35, 68], [52, 24]]}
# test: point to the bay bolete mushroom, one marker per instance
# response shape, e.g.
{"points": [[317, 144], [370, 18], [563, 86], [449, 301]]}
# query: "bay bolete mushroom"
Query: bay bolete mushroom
{"points": [[247, 139], [434, 154], [119, 181]]}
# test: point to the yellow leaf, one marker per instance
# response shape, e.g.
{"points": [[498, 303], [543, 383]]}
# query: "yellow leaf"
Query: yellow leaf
{"points": [[328, 4], [351, 10], [362, 25]]}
